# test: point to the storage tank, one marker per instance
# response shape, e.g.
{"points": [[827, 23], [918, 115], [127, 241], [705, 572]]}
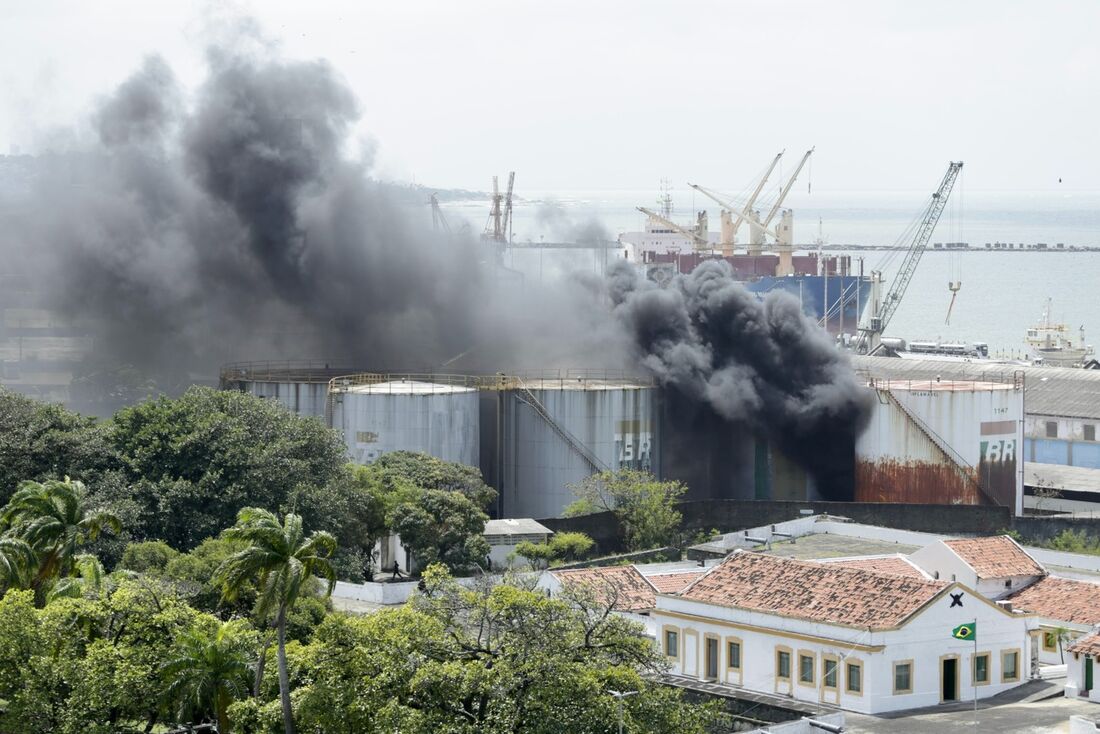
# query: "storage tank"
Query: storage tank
{"points": [[943, 441], [553, 431], [301, 386], [435, 414]]}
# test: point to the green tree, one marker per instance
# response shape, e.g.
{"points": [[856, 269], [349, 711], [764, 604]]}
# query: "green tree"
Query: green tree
{"points": [[566, 547], [283, 561], [53, 519], [488, 660], [17, 563], [149, 556], [442, 527], [196, 460], [41, 441], [644, 505], [209, 668], [428, 472]]}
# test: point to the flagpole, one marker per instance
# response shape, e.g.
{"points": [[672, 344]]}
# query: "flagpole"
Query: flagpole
{"points": [[973, 671]]}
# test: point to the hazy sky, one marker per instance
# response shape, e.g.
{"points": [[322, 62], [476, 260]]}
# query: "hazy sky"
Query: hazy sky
{"points": [[588, 94]]}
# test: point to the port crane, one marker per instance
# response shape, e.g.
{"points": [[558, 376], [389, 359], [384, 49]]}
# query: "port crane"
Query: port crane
{"points": [[744, 211], [787, 189], [695, 235], [498, 228], [882, 309], [439, 222]]}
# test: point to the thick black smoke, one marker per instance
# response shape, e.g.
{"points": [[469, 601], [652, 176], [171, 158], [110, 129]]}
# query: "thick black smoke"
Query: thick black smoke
{"points": [[188, 228], [759, 366]]}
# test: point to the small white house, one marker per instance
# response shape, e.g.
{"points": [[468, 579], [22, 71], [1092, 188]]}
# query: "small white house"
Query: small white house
{"points": [[1082, 658], [854, 638], [504, 535], [1065, 608], [993, 566]]}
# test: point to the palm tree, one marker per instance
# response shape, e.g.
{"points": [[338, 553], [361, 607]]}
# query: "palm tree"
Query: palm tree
{"points": [[17, 563], [283, 561], [208, 672], [52, 519], [88, 579]]}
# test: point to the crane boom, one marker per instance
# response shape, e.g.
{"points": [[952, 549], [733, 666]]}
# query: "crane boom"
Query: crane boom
{"points": [[870, 334], [744, 212], [730, 205], [787, 188], [506, 226], [695, 238]]}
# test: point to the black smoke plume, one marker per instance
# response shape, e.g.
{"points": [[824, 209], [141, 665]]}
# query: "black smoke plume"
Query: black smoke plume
{"points": [[745, 366]]}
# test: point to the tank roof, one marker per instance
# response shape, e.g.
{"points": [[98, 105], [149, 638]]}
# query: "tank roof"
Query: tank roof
{"points": [[941, 385], [407, 387]]}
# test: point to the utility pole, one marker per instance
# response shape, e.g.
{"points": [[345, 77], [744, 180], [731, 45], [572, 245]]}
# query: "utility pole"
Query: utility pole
{"points": [[620, 695]]}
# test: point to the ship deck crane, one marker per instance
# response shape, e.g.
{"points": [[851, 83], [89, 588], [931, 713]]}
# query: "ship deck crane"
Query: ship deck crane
{"points": [[882, 310], [787, 189], [744, 211], [692, 235]]}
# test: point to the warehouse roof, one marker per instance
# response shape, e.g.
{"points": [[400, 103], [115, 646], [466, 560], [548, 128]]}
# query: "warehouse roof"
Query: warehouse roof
{"points": [[516, 526], [1066, 600], [995, 557], [1055, 391], [821, 592], [1060, 476]]}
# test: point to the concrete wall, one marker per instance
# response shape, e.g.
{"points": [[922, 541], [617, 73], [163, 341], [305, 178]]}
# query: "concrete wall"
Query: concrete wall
{"points": [[730, 515]]}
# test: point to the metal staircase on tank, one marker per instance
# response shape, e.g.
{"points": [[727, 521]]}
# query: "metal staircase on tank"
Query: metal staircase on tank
{"points": [[576, 444], [957, 461]]}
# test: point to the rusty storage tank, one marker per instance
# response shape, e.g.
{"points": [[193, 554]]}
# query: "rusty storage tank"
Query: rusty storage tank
{"points": [[378, 413], [943, 441], [301, 386], [555, 429]]}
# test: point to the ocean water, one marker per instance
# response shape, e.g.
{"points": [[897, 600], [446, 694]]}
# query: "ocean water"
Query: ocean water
{"points": [[1002, 293]]}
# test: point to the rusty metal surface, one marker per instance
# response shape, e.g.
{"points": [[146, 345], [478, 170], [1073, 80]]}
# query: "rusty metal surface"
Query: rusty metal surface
{"points": [[919, 482]]}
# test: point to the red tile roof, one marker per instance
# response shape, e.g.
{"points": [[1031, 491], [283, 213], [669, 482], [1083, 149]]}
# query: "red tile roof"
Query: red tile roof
{"points": [[822, 592], [894, 564], [673, 583], [622, 587], [995, 557], [1088, 645], [1066, 600]]}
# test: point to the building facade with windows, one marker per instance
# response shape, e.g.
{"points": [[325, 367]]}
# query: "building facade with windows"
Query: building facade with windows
{"points": [[854, 638]]}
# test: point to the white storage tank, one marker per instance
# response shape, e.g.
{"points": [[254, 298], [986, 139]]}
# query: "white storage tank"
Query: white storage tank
{"points": [[437, 415], [302, 387], [943, 441], [556, 431]]}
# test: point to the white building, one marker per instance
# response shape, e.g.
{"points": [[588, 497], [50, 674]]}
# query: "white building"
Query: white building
{"points": [[504, 535], [858, 639], [1080, 672], [994, 567]]}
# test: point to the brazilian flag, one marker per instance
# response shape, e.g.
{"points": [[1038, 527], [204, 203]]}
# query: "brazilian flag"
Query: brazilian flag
{"points": [[965, 631]]}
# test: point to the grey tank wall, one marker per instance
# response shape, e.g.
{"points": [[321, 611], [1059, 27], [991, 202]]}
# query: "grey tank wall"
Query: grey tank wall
{"points": [[536, 465], [444, 425], [303, 398]]}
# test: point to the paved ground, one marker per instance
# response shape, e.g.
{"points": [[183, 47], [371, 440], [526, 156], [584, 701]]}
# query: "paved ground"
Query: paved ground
{"points": [[836, 546], [1040, 717], [354, 606]]}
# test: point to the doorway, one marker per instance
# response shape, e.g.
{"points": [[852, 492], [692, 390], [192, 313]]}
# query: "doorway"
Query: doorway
{"points": [[711, 666], [949, 680]]}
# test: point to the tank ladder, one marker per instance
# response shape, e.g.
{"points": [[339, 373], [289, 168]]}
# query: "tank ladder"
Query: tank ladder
{"points": [[585, 453], [956, 459]]}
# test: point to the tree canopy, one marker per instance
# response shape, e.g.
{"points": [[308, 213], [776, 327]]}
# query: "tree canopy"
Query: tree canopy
{"points": [[644, 505]]}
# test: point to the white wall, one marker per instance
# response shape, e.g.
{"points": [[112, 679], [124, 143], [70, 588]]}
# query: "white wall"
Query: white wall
{"points": [[923, 640]]}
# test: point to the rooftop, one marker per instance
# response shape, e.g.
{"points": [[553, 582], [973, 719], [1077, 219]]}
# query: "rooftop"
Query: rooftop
{"points": [[896, 564], [1089, 645], [821, 546], [820, 592], [995, 557], [1055, 391], [621, 587], [673, 583], [1077, 602], [408, 387], [1059, 476], [516, 526]]}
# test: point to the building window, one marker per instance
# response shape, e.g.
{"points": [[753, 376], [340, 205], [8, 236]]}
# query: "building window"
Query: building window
{"points": [[733, 655], [806, 663], [1010, 666], [1008, 583], [672, 643], [854, 678], [903, 677], [1090, 432], [1052, 429], [981, 669], [828, 674], [1050, 641], [783, 664]]}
